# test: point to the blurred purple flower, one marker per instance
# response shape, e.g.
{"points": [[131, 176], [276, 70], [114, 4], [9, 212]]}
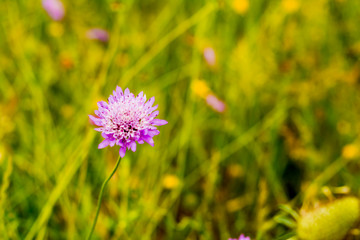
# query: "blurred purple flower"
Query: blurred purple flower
{"points": [[209, 55], [215, 103], [98, 34], [127, 119], [242, 237], [54, 8]]}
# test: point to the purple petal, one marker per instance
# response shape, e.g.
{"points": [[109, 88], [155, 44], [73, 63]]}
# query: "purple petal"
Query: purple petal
{"points": [[154, 114], [111, 99], [144, 132], [158, 122], [149, 140], [133, 146], [102, 104], [104, 143], [151, 101], [118, 142], [98, 113], [122, 152], [98, 34], [127, 92], [243, 237], [215, 103], [153, 132], [96, 121], [140, 141], [153, 108], [209, 55], [117, 95], [54, 8], [105, 135], [119, 90], [140, 95], [112, 143]]}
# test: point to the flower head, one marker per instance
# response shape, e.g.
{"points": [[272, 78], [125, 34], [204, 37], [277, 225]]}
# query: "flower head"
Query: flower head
{"points": [[98, 34], [209, 55], [54, 8], [200, 88], [215, 103], [241, 6], [127, 119], [242, 237]]}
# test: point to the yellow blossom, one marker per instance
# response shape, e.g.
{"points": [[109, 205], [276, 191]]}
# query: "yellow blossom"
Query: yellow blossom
{"points": [[350, 151], [200, 88], [171, 181], [290, 6], [241, 6]]}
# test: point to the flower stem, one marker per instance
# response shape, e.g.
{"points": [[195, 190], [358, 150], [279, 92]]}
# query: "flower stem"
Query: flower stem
{"points": [[100, 197]]}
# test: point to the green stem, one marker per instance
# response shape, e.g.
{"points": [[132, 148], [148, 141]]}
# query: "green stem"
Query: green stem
{"points": [[100, 197]]}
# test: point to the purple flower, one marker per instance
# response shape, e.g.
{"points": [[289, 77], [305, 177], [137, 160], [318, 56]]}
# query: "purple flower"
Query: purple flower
{"points": [[209, 55], [215, 103], [242, 237], [54, 8], [98, 34], [127, 119]]}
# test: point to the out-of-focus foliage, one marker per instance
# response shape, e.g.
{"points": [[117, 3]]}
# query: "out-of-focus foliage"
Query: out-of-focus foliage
{"points": [[287, 72]]}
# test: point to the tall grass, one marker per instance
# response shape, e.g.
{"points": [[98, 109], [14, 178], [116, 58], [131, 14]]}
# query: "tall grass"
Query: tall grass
{"points": [[288, 72]]}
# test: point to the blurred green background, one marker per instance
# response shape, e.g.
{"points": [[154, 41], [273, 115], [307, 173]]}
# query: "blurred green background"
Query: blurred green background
{"points": [[287, 71]]}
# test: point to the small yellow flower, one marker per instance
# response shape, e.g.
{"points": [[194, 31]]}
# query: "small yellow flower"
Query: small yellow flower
{"points": [[200, 88], [350, 151], [241, 6], [171, 181], [290, 6]]}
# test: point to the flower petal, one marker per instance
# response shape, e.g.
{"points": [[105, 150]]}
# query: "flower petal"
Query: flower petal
{"points": [[149, 140], [116, 95], [133, 146], [119, 90], [154, 114], [150, 102], [54, 8], [158, 122], [140, 95], [96, 121], [104, 143], [122, 152], [153, 132], [127, 92], [98, 113], [153, 108], [111, 99], [102, 104]]}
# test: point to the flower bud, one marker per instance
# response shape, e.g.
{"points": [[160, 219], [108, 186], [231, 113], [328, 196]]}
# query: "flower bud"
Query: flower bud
{"points": [[331, 221]]}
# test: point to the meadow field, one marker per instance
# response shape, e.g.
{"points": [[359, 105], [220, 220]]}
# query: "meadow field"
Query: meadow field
{"points": [[262, 103]]}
